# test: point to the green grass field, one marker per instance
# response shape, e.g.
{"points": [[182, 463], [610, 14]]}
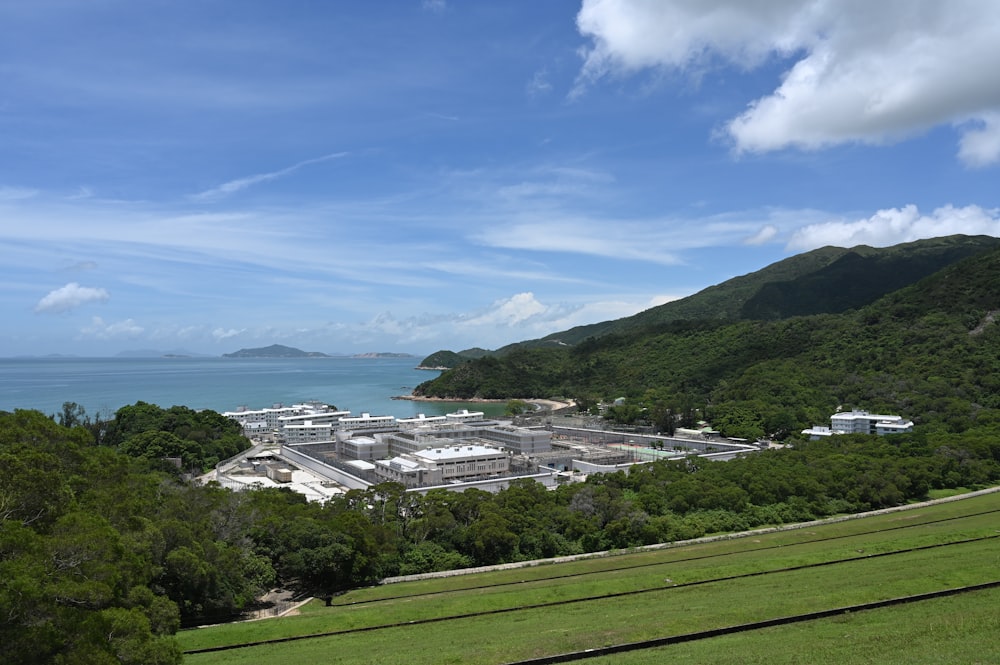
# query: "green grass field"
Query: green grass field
{"points": [[670, 591]]}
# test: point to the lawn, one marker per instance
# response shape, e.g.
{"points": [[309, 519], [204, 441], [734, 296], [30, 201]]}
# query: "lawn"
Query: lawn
{"points": [[659, 603]]}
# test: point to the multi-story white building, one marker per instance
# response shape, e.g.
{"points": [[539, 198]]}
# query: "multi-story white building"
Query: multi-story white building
{"points": [[364, 448], [519, 440], [449, 463], [306, 432], [366, 421], [860, 422], [271, 419]]}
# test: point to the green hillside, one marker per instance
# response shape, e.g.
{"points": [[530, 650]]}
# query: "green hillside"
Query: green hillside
{"points": [[929, 351], [825, 280], [445, 358], [686, 589]]}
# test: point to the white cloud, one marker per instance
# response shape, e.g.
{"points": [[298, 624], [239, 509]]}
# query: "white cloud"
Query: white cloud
{"points": [[98, 328], [70, 296], [436, 6], [221, 333], [240, 184], [766, 233], [870, 72], [507, 320], [897, 225], [511, 311], [980, 145]]}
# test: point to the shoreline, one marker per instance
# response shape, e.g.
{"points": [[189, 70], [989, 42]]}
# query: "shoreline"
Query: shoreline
{"points": [[541, 403]]}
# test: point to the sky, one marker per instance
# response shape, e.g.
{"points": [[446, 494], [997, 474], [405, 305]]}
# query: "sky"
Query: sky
{"points": [[414, 175]]}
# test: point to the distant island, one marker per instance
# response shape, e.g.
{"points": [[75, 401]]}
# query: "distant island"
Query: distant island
{"points": [[383, 355], [153, 353], [275, 351], [280, 351]]}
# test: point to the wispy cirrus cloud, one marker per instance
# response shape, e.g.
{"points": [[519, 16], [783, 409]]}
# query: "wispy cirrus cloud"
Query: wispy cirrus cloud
{"points": [[239, 184], [16, 193]]}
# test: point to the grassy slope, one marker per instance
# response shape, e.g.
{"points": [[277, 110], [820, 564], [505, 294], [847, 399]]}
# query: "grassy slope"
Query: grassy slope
{"points": [[666, 611]]}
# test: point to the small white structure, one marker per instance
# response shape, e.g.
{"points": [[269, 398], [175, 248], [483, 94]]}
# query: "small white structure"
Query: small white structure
{"points": [[418, 420], [464, 416]]}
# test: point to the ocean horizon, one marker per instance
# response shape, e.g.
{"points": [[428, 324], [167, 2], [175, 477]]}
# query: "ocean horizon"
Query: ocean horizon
{"points": [[103, 385]]}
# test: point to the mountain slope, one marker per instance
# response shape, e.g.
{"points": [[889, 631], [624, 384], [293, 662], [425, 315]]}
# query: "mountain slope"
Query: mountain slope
{"points": [[825, 280], [929, 350]]}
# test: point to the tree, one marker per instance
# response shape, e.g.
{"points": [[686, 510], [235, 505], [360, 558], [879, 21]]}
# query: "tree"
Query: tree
{"points": [[516, 407]]}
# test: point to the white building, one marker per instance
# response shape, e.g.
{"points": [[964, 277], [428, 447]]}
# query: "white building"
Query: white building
{"points": [[271, 419], [448, 463], [860, 422], [465, 416], [367, 421], [520, 440], [365, 448], [306, 432], [418, 420]]}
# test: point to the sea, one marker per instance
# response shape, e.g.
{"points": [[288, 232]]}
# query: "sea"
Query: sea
{"points": [[103, 385]]}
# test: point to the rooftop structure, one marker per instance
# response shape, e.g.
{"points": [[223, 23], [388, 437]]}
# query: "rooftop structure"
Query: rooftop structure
{"points": [[464, 416], [420, 419]]}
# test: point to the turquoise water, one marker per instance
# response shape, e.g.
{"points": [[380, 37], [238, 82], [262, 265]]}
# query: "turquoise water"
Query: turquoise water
{"points": [[102, 385]]}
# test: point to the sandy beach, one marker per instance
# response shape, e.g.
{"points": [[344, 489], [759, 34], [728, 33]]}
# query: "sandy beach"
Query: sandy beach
{"points": [[548, 404]]}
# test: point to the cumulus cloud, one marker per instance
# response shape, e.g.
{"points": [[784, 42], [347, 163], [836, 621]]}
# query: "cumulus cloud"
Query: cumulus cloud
{"points": [[69, 297], [233, 186], [98, 328], [870, 72], [980, 145], [511, 311], [896, 225]]}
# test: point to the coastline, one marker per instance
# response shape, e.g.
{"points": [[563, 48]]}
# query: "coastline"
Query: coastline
{"points": [[549, 404]]}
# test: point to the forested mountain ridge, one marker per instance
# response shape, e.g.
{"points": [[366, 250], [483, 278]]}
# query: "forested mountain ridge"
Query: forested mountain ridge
{"points": [[823, 281], [909, 352]]}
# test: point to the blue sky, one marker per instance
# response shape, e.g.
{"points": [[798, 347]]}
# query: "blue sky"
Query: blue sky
{"points": [[414, 175]]}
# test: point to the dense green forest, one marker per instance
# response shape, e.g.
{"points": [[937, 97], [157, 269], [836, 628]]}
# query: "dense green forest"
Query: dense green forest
{"points": [[103, 554], [930, 351], [828, 280]]}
